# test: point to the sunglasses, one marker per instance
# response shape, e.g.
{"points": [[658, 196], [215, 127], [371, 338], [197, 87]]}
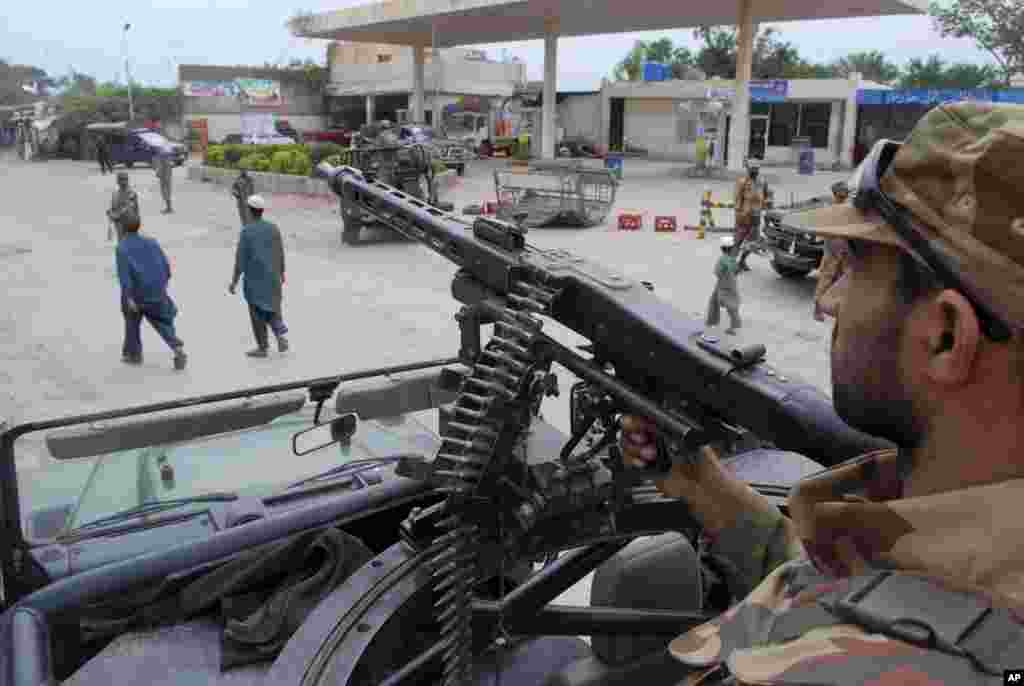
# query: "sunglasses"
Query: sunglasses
{"points": [[870, 197]]}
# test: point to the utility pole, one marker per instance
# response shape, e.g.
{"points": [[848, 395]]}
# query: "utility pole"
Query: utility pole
{"points": [[127, 74]]}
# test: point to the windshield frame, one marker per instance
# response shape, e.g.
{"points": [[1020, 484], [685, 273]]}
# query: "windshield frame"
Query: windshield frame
{"points": [[11, 531], [154, 138]]}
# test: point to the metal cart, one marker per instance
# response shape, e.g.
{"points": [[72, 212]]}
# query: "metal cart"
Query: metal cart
{"points": [[556, 193]]}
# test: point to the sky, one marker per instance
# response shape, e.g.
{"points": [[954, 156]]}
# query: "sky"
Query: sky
{"points": [[88, 37]]}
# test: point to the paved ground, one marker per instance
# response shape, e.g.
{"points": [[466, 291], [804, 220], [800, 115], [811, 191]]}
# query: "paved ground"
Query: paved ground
{"points": [[348, 307]]}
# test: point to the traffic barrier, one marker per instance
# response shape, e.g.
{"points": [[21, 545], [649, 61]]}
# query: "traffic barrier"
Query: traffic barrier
{"points": [[664, 223], [631, 220]]}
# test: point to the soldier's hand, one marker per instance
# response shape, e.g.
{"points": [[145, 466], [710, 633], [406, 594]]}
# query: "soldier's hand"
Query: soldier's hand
{"points": [[638, 442]]}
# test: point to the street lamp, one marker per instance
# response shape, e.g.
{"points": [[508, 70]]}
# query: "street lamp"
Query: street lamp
{"points": [[127, 76]]}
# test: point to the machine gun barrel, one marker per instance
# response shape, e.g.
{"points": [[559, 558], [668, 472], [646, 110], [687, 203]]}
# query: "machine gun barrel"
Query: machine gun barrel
{"points": [[660, 356]]}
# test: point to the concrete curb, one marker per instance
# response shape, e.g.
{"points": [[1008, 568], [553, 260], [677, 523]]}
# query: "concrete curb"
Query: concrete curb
{"points": [[263, 182]]}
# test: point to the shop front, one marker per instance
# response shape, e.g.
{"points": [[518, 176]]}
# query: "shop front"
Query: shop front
{"points": [[891, 114]]}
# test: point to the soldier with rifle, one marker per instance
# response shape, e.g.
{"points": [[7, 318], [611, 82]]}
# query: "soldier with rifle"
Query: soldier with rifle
{"points": [[241, 190], [165, 172], [749, 202], [907, 565], [123, 204]]}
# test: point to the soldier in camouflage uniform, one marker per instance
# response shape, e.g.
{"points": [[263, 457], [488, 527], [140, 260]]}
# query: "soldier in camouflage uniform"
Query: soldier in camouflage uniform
{"points": [[833, 263], [123, 204], [749, 203], [904, 566], [241, 189], [164, 168]]}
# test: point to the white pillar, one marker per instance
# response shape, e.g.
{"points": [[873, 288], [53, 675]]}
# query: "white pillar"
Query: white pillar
{"points": [[739, 131], [547, 126], [606, 117], [416, 112], [849, 132], [369, 108], [835, 130]]}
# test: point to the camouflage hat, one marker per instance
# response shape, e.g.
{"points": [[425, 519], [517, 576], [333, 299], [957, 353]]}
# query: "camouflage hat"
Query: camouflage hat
{"points": [[960, 173]]}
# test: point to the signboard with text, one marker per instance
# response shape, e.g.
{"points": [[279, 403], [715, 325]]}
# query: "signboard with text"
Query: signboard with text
{"points": [[770, 90], [210, 89], [260, 92], [938, 96]]}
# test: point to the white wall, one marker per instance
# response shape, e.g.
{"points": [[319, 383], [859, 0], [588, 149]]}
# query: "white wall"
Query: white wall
{"points": [[220, 125], [651, 123], [452, 76], [580, 115]]}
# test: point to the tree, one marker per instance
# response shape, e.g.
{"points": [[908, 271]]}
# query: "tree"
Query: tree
{"points": [[717, 55], [872, 65], [773, 58], [630, 67], [934, 73], [997, 26], [14, 76]]}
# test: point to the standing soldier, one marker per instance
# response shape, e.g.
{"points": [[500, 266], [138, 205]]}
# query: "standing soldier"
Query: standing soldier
{"points": [[241, 189], [749, 203], [103, 155], [124, 204], [833, 263], [260, 257], [164, 172]]}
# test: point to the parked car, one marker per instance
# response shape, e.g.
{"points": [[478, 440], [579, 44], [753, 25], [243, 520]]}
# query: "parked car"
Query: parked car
{"points": [[131, 145], [339, 136], [283, 128], [453, 153], [794, 253]]}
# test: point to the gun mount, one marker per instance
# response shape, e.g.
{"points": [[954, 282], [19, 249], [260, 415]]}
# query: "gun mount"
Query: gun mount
{"points": [[509, 495], [405, 166]]}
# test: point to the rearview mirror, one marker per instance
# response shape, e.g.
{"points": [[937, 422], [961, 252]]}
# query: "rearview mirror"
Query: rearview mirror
{"points": [[338, 430]]}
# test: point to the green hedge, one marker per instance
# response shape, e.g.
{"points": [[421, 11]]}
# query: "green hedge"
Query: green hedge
{"points": [[281, 159]]}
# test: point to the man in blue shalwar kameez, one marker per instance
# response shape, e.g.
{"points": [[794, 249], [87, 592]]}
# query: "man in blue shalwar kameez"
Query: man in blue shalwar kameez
{"points": [[260, 257], [143, 270]]}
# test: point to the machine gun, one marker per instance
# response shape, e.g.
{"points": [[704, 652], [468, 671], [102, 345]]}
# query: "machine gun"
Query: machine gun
{"points": [[405, 166], [512, 497]]}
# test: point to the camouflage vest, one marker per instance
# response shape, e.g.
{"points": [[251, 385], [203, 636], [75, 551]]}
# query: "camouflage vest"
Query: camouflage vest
{"points": [[868, 620], [882, 628]]}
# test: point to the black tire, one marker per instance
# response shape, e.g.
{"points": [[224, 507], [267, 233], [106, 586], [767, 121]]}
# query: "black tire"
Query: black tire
{"points": [[461, 170], [789, 272]]}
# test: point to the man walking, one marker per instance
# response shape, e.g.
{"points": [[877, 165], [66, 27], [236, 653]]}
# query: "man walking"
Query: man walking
{"points": [[164, 172], [144, 271], [260, 257], [123, 204], [749, 202], [726, 293], [241, 189]]}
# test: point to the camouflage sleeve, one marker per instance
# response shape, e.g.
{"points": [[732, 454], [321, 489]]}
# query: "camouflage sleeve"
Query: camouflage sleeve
{"points": [[753, 547]]}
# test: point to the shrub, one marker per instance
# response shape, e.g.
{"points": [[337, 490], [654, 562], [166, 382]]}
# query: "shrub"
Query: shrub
{"points": [[215, 156], [301, 164], [280, 162], [318, 152], [262, 164], [253, 162], [233, 154]]}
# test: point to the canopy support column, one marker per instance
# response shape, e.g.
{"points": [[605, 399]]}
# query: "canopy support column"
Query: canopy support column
{"points": [[416, 106], [548, 131], [739, 129]]}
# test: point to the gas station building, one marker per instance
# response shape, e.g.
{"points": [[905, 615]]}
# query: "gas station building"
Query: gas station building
{"points": [[423, 24]]}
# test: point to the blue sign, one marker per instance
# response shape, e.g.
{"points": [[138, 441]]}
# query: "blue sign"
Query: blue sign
{"points": [[938, 96], [772, 90]]}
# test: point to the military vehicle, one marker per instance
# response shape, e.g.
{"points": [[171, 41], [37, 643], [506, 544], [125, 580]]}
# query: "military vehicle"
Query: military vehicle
{"points": [[409, 525]]}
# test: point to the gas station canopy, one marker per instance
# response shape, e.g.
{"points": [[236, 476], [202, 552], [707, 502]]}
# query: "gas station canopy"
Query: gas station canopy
{"points": [[476, 22]]}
